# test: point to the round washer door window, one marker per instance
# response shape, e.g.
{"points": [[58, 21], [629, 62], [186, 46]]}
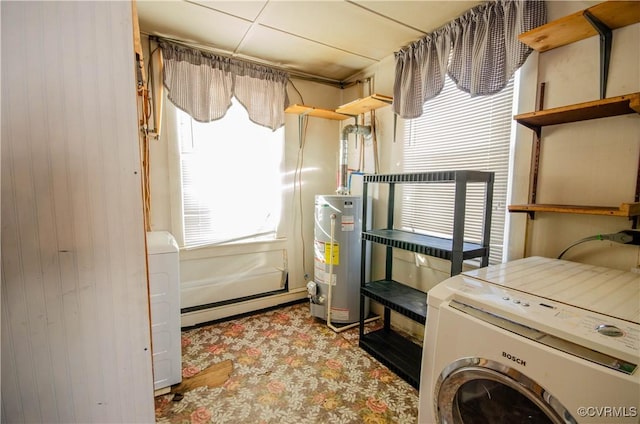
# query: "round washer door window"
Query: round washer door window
{"points": [[475, 391]]}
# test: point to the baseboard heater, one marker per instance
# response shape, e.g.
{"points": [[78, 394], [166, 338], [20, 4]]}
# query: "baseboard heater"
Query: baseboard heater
{"points": [[238, 299]]}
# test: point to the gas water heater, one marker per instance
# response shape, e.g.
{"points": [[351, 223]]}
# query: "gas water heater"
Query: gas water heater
{"points": [[337, 251]]}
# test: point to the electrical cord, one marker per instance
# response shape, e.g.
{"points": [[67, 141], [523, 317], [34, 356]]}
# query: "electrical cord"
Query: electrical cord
{"points": [[297, 182], [297, 179], [623, 237]]}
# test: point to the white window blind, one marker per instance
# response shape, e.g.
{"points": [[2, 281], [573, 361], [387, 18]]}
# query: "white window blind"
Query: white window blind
{"points": [[231, 178], [457, 132]]}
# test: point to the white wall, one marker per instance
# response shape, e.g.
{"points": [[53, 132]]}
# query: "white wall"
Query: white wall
{"points": [[75, 315]]}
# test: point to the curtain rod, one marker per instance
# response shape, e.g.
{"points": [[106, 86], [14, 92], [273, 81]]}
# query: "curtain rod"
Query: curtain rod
{"points": [[292, 74]]}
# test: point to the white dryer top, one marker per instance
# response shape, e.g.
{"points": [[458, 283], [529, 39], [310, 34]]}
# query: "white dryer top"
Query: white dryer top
{"points": [[603, 290]]}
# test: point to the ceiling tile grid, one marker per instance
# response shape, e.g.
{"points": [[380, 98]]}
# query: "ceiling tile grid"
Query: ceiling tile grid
{"points": [[329, 39]]}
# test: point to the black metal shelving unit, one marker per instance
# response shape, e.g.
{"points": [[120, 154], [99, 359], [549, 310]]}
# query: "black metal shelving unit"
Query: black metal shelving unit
{"points": [[392, 349]]}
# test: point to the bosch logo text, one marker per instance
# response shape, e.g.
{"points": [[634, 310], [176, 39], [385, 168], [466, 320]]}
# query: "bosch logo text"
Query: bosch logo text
{"points": [[514, 359]]}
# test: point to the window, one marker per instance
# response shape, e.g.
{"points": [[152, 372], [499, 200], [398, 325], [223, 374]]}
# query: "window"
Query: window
{"points": [[230, 177], [457, 132]]}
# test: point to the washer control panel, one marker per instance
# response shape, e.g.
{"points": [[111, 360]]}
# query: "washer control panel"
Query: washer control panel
{"points": [[601, 333]]}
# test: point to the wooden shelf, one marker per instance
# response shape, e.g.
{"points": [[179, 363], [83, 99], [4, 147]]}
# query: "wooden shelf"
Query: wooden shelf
{"points": [[575, 27], [317, 112], [626, 210], [360, 106], [346, 111], [600, 20], [612, 106]]}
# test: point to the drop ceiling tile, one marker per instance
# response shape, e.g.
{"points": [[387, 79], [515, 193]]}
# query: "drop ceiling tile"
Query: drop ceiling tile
{"points": [[425, 15], [339, 24], [247, 9], [327, 38], [191, 23], [301, 55]]}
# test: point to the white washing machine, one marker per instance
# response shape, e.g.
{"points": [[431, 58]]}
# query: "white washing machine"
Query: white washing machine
{"points": [[535, 340], [164, 292]]}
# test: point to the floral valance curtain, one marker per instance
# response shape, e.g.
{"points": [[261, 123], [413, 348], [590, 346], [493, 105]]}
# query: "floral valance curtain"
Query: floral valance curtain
{"points": [[202, 84], [479, 50]]}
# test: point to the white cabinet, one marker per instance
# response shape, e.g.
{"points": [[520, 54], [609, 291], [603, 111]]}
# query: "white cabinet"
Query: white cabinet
{"points": [[164, 291]]}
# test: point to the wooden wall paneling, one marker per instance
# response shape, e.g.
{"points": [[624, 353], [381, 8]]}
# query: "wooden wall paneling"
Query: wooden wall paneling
{"points": [[75, 327], [59, 248], [11, 404], [75, 245], [26, 309], [40, 118]]}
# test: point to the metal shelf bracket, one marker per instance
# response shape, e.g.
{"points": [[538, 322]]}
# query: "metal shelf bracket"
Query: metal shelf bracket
{"points": [[606, 37]]}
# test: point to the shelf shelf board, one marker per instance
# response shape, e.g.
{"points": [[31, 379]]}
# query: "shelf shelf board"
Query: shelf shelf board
{"points": [[575, 27], [346, 111], [627, 210], [401, 355], [316, 112], [360, 106], [612, 106], [403, 299], [438, 247]]}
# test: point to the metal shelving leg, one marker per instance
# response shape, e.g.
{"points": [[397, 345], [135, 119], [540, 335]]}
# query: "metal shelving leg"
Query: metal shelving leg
{"points": [[486, 221], [459, 209]]}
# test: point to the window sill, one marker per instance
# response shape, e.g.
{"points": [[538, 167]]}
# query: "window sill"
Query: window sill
{"points": [[232, 248]]}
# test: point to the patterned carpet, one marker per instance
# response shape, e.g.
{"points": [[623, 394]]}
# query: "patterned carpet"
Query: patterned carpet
{"points": [[288, 367]]}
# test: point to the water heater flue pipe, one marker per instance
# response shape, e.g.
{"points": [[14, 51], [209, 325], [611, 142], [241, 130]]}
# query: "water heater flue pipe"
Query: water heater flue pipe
{"points": [[365, 130]]}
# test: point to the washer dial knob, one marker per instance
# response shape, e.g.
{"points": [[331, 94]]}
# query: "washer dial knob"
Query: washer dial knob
{"points": [[609, 330]]}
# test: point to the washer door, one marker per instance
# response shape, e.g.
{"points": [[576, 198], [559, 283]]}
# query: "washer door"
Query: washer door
{"points": [[476, 390]]}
